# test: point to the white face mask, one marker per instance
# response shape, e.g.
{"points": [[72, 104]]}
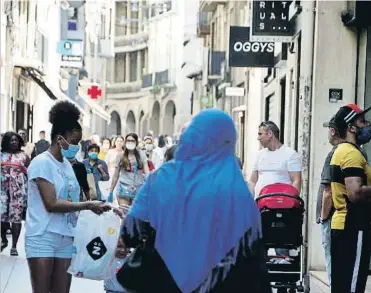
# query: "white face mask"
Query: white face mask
{"points": [[130, 146], [149, 147]]}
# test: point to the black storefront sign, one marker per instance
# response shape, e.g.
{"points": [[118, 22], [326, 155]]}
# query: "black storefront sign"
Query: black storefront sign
{"points": [[270, 21], [244, 53]]}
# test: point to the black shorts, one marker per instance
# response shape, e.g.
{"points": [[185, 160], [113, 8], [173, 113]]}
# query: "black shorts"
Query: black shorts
{"points": [[350, 258]]}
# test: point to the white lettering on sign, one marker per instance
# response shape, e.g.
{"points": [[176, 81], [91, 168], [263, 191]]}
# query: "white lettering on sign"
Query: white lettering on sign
{"points": [[262, 4], [96, 250], [253, 47]]}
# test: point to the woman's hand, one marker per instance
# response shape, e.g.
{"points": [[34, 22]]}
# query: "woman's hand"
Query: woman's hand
{"points": [[97, 207]]}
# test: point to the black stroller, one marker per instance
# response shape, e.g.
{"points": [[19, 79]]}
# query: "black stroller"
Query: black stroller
{"points": [[282, 212]]}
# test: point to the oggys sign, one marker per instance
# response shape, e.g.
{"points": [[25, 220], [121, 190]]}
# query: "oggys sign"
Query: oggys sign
{"points": [[244, 53]]}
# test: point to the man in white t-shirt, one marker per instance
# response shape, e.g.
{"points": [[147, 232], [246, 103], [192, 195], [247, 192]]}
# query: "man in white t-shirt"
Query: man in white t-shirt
{"points": [[276, 163]]}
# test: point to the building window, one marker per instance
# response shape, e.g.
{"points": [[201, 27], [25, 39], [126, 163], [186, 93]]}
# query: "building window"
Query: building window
{"points": [[134, 21], [133, 66], [144, 61], [120, 67]]}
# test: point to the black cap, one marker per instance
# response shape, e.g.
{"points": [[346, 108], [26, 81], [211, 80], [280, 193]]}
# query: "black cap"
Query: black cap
{"points": [[345, 115]]}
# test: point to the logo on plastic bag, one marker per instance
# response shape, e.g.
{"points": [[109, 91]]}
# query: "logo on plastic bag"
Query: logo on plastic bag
{"points": [[111, 230], [96, 248]]}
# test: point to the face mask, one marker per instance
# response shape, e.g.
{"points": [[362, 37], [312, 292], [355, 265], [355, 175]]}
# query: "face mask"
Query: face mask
{"points": [[364, 135], [93, 156], [131, 146], [71, 152], [149, 147]]}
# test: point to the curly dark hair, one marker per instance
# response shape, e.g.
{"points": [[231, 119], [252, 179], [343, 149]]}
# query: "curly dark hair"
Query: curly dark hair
{"points": [[64, 116], [125, 163], [5, 143]]}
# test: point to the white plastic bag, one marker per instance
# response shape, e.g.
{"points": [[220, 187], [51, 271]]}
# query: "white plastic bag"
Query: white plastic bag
{"points": [[104, 187], [95, 244]]}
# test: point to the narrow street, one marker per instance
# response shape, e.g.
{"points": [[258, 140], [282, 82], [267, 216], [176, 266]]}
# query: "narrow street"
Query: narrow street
{"points": [[14, 276]]}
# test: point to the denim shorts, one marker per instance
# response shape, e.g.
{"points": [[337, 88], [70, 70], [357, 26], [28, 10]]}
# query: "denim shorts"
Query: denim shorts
{"points": [[49, 244]]}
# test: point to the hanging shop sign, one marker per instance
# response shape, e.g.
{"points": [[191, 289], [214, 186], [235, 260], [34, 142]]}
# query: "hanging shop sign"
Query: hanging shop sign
{"points": [[245, 53], [94, 92], [72, 52], [206, 101], [270, 21]]}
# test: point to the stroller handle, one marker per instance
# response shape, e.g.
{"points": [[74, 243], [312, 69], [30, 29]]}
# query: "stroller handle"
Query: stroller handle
{"points": [[280, 194]]}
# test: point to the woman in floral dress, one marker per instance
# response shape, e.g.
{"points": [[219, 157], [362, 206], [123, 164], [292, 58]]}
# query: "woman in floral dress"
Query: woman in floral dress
{"points": [[13, 193]]}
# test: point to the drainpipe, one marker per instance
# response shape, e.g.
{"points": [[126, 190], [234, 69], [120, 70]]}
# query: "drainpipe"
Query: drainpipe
{"points": [[305, 110]]}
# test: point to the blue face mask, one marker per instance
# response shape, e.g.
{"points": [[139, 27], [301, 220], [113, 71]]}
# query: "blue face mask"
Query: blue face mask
{"points": [[71, 152], [364, 135], [93, 156]]}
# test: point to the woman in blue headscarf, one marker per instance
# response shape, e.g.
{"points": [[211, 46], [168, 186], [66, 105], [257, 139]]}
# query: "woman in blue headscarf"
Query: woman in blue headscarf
{"points": [[207, 225]]}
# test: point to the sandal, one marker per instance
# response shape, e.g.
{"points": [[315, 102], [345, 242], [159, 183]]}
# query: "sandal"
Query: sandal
{"points": [[4, 245], [14, 252]]}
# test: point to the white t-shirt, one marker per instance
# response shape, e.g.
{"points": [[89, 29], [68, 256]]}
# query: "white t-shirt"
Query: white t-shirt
{"points": [[62, 176], [274, 166]]}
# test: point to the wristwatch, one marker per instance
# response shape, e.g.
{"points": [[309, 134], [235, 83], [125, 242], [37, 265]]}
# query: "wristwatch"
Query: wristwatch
{"points": [[321, 221]]}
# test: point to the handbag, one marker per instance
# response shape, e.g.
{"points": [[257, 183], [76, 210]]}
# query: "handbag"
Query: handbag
{"points": [[125, 191], [138, 271]]}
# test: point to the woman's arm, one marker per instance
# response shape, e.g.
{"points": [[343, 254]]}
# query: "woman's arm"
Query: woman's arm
{"points": [[104, 171], [54, 205], [115, 178]]}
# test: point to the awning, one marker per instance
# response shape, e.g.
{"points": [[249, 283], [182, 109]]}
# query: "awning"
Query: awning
{"points": [[63, 97], [95, 107], [35, 70], [239, 108]]}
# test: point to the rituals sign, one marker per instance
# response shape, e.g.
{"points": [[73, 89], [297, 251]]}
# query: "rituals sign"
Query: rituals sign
{"points": [[270, 21]]}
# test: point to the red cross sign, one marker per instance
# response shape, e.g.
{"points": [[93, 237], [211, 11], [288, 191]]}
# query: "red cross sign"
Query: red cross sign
{"points": [[94, 92]]}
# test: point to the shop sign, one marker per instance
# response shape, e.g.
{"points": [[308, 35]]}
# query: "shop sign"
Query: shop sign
{"points": [[72, 52], [206, 101], [270, 21], [245, 53]]}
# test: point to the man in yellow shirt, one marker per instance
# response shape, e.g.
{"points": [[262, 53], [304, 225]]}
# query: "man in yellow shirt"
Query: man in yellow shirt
{"points": [[351, 196]]}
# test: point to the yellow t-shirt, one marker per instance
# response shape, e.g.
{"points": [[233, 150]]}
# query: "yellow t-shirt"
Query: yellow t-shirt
{"points": [[348, 161]]}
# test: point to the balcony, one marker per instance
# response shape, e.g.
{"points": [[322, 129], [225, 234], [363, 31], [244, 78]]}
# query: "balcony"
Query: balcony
{"points": [[147, 80], [216, 61], [210, 5], [162, 77], [131, 43], [124, 90], [203, 25]]}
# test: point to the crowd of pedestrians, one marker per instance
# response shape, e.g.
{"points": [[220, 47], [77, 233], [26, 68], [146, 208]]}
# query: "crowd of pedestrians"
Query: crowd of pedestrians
{"points": [[188, 198]]}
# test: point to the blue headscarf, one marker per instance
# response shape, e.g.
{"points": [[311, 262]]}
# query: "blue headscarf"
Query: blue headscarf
{"points": [[199, 204]]}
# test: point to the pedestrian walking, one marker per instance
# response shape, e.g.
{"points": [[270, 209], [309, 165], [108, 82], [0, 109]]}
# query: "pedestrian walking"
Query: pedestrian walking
{"points": [[351, 195], [13, 196], [114, 154], [96, 167], [148, 145], [275, 163], [204, 221], [53, 203], [325, 210], [170, 153], [41, 146], [28, 147], [106, 146], [82, 177], [158, 155], [130, 171]]}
